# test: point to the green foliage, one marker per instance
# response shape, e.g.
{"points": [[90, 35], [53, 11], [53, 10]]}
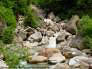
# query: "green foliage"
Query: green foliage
{"points": [[65, 8], [86, 30], [13, 54], [8, 16], [8, 3], [22, 6], [88, 42], [10, 20], [86, 26], [8, 35], [32, 19]]}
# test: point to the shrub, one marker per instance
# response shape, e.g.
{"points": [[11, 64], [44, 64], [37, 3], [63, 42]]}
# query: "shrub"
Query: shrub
{"points": [[32, 19], [8, 35], [86, 26], [13, 54], [86, 30], [88, 42], [10, 20], [7, 3], [8, 16], [22, 6]]}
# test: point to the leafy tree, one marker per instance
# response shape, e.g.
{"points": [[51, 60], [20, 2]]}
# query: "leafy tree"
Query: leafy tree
{"points": [[22, 6], [65, 8], [10, 20], [8, 3]]}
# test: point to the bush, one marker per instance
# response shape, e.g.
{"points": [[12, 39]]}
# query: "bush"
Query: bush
{"points": [[7, 3], [8, 35], [10, 20], [88, 42], [32, 19], [86, 26], [86, 30], [22, 6], [8, 16], [13, 54]]}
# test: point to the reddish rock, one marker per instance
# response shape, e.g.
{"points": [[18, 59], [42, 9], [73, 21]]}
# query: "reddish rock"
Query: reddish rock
{"points": [[48, 52]]}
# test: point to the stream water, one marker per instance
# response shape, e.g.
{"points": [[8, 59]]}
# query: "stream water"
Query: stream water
{"points": [[25, 65]]}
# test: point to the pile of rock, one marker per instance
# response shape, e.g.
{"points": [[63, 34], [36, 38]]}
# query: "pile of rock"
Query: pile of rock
{"points": [[57, 44]]}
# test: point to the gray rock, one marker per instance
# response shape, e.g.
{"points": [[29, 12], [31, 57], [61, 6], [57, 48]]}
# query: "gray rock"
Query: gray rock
{"points": [[77, 42], [54, 28], [60, 37], [71, 26], [27, 44], [76, 61], [60, 66], [49, 22], [37, 59], [51, 16], [3, 65], [72, 52], [44, 40], [49, 33], [36, 36], [57, 19], [56, 58], [84, 65], [87, 51]]}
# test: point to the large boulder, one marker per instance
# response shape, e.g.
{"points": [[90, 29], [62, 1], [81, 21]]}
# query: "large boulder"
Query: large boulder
{"points": [[72, 52], [72, 25], [48, 52], [60, 66], [37, 36], [76, 61], [77, 42], [60, 37], [37, 59], [56, 58]]}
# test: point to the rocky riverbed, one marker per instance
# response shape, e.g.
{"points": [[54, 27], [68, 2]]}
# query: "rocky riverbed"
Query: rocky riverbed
{"points": [[56, 43]]}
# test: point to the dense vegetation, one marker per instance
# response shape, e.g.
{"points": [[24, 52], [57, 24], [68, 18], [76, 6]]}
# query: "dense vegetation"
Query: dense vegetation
{"points": [[66, 8], [8, 11], [13, 54], [86, 30]]}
